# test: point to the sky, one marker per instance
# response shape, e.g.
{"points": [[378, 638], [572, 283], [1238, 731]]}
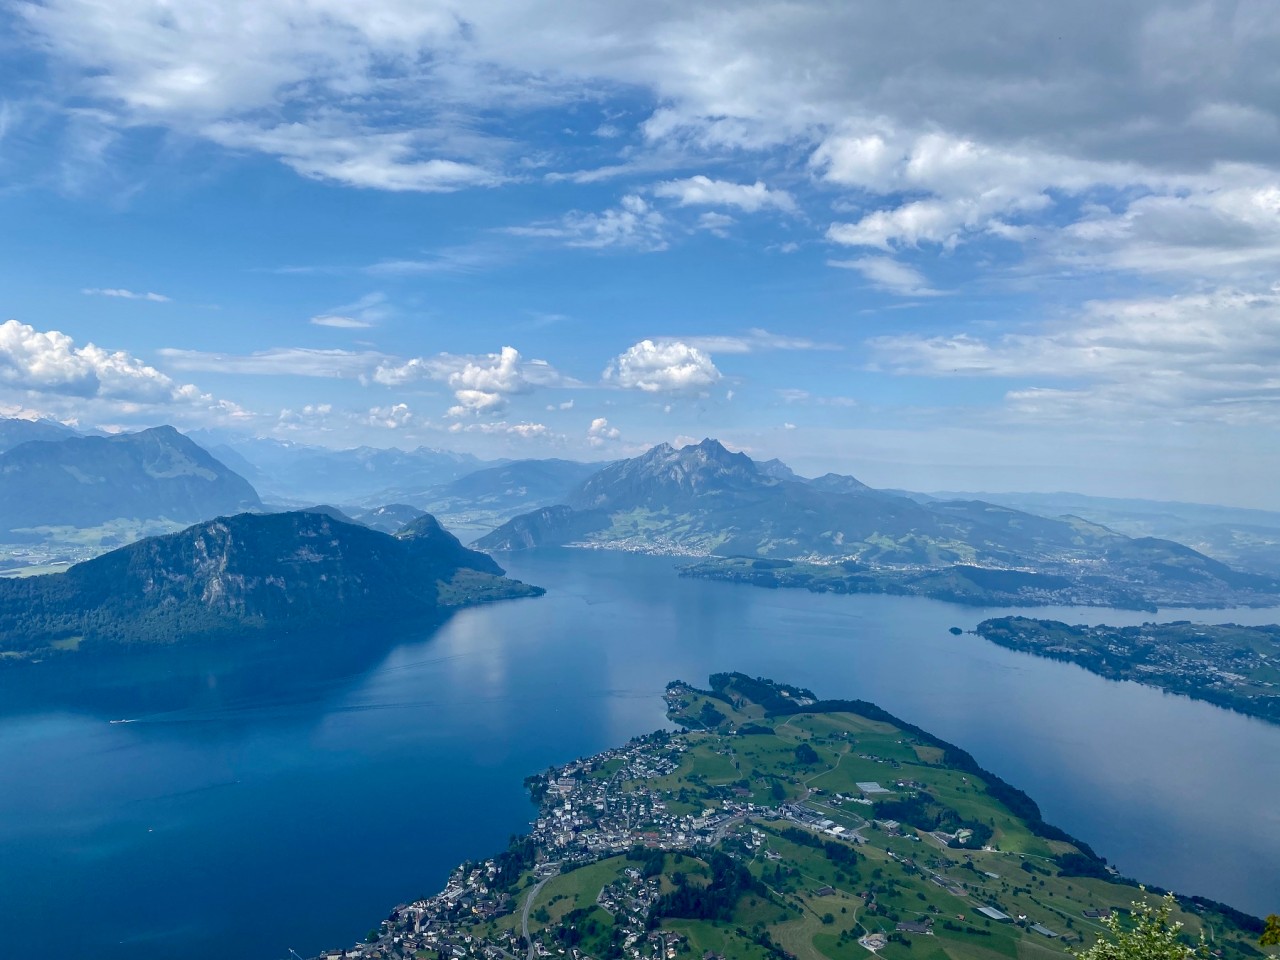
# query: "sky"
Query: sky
{"points": [[952, 246]]}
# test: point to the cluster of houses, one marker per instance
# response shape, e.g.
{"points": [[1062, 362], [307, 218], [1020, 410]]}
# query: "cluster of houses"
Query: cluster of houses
{"points": [[585, 814]]}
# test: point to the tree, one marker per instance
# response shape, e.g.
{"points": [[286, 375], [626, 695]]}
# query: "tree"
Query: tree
{"points": [[806, 755], [1151, 935], [1271, 935]]}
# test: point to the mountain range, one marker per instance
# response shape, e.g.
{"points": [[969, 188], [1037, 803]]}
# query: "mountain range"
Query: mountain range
{"points": [[704, 500], [248, 574], [297, 472]]}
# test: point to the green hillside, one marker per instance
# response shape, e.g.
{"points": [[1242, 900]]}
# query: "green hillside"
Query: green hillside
{"points": [[776, 825]]}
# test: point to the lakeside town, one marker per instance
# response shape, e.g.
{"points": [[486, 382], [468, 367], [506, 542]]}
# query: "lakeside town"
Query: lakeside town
{"points": [[631, 848]]}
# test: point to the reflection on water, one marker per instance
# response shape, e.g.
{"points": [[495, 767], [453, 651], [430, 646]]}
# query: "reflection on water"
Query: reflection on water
{"points": [[288, 797]]}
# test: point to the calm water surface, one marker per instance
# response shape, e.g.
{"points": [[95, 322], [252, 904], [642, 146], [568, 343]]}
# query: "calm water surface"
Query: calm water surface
{"points": [[291, 802]]}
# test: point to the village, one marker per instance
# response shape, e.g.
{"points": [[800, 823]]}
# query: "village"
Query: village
{"points": [[617, 834], [584, 815]]}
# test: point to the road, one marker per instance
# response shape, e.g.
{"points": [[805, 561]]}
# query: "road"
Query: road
{"points": [[528, 905]]}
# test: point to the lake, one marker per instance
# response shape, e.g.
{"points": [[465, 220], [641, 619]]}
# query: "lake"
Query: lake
{"points": [[259, 802]]}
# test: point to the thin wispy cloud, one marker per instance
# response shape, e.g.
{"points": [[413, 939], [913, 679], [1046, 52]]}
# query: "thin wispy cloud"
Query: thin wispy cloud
{"points": [[892, 276], [754, 341], [120, 293]]}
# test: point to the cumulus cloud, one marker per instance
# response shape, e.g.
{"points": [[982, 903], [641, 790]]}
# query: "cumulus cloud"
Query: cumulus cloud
{"points": [[1208, 356], [633, 224], [663, 366], [51, 362], [88, 383], [394, 417], [481, 384], [703, 191], [892, 276], [600, 433], [123, 294]]}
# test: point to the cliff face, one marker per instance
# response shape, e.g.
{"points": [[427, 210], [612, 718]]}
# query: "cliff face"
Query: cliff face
{"points": [[247, 573]]}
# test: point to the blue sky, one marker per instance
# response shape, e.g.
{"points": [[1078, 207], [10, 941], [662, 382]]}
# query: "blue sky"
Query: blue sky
{"points": [[951, 249]]}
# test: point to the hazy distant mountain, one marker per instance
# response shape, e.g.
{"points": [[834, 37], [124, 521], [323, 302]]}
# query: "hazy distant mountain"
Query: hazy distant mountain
{"points": [[1246, 538], [704, 500], [86, 481], [495, 494], [390, 517], [244, 574], [777, 469], [329, 510], [14, 432], [838, 483], [303, 473]]}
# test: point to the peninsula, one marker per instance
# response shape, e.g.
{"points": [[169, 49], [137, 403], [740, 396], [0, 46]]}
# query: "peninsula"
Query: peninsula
{"points": [[1226, 664], [777, 825]]}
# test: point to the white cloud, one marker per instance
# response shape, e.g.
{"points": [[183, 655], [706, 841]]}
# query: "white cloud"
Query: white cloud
{"points": [[366, 312], [716, 223], [279, 361], [600, 433], [394, 417], [753, 341], [565, 405], [1202, 231], [664, 366], [795, 395], [523, 431], [889, 275], [90, 384], [50, 362], [930, 142], [633, 224], [703, 191], [340, 322], [1209, 356], [124, 294], [481, 384], [357, 156]]}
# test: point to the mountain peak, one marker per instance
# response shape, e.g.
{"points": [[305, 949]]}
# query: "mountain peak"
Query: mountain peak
{"points": [[664, 475]]}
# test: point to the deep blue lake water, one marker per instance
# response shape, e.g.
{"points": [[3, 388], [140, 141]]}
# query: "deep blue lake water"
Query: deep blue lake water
{"points": [[289, 799]]}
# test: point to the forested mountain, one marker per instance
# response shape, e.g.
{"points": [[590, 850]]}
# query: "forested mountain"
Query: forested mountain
{"points": [[244, 574]]}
